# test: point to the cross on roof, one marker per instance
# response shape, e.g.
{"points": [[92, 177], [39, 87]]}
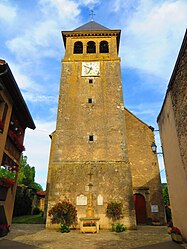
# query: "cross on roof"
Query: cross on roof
{"points": [[90, 175], [92, 14]]}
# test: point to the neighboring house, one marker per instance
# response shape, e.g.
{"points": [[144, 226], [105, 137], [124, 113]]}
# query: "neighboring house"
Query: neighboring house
{"points": [[40, 199], [172, 122], [14, 119]]}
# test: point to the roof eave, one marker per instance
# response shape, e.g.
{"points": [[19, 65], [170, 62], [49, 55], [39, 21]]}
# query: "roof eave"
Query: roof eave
{"points": [[13, 89]]}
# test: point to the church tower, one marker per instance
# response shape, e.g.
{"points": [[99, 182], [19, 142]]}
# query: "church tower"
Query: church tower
{"points": [[90, 135]]}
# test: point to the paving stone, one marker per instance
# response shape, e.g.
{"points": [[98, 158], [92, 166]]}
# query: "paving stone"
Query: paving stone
{"points": [[24, 236]]}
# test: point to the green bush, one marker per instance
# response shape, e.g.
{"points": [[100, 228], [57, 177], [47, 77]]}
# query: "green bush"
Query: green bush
{"points": [[36, 210], [119, 228], [23, 201], [64, 228]]}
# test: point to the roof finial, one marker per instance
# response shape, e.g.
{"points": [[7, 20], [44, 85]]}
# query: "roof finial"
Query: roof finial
{"points": [[92, 14]]}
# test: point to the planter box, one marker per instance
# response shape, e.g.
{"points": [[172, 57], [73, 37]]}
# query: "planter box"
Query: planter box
{"points": [[177, 238], [89, 229]]}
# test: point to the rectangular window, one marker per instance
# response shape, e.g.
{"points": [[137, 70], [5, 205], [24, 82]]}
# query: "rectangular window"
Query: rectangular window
{"points": [[91, 138], [90, 100], [90, 81]]}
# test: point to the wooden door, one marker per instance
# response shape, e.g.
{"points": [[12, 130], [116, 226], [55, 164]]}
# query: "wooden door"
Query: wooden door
{"points": [[140, 208]]}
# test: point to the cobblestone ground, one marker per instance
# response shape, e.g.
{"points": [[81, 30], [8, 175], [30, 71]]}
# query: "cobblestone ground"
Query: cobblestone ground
{"points": [[145, 237]]}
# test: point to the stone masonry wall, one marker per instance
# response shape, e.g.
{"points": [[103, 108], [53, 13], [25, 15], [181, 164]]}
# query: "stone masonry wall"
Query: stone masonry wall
{"points": [[179, 102], [111, 180], [144, 164]]}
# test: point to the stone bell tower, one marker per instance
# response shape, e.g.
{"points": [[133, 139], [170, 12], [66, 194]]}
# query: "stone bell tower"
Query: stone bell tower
{"points": [[90, 133]]}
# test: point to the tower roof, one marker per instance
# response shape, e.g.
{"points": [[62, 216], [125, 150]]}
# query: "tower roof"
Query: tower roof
{"points": [[91, 26]]}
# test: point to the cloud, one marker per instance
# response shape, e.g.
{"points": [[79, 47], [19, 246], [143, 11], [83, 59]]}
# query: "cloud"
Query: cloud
{"points": [[23, 80], [152, 36], [8, 12], [64, 11], [90, 3], [119, 5], [37, 144], [43, 39], [38, 98], [145, 109], [31, 91]]}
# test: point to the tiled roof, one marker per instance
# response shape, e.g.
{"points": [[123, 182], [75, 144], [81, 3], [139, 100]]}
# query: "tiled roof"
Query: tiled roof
{"points": [[39, 192], [91, 26]]}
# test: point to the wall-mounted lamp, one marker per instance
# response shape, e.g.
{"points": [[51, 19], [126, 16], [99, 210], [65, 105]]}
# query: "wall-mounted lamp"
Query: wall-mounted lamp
{"points": [[154, 149]]}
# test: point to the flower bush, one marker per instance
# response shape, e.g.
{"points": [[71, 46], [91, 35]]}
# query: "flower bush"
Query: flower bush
{"points": [[175, 230], [16, 140], [5, 182], [119, 228], [114, 210], [64, 213]]}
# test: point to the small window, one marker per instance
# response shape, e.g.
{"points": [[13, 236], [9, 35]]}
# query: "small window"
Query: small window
{"points": [[90, 81], [78, 47], [91, 138], [91, 48], [90, 101], [104, 47]]}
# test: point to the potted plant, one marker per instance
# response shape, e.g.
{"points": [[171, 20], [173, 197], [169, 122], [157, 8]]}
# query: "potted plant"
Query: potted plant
{"points": [[6, 181], [176, 235], [65, 214]]}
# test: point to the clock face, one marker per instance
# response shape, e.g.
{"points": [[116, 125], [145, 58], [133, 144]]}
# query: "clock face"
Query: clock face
{"points": [[91, 68]]}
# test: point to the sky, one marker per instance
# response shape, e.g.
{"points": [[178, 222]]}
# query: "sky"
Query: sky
{"points": [[31, 43]]}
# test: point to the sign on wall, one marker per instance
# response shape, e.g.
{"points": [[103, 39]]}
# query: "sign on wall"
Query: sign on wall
{"points": [[81, 200], [154, 208]]}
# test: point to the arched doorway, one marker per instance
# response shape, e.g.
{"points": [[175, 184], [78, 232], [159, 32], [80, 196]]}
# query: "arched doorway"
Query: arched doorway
{"points": [[140, 208]]}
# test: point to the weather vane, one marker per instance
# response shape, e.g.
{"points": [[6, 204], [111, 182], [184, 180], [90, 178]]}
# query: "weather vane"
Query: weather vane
{"points": [[92, 14]]}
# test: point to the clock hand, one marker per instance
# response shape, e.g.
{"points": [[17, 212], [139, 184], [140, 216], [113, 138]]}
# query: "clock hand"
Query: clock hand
{"points": [[87, 66], [90, 69]]}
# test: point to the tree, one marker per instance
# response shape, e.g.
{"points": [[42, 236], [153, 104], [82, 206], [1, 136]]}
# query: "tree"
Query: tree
{"points": [[26, 175], [165, 193]]}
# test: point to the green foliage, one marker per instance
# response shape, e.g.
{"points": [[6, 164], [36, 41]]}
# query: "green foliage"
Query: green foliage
{"points": [[63, 212], [26, 175], [114, 210], [28, 219], [64, 228], [7, 174], [36, 210], [119, 228], [165, 193], [23, 201]]}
